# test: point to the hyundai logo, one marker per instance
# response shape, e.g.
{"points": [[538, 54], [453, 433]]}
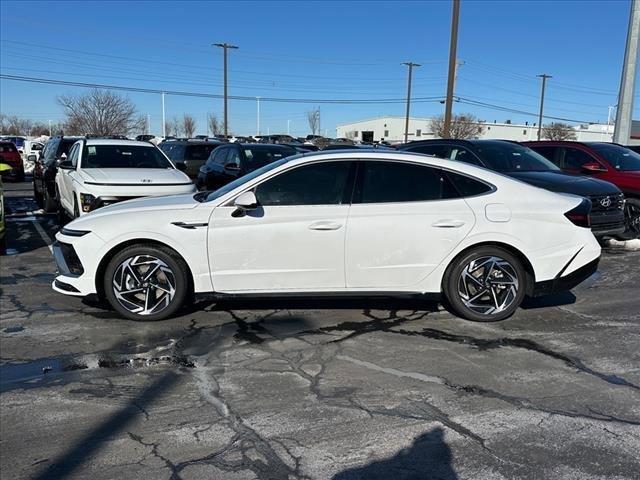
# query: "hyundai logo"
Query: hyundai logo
{"points": [[605, 202]]}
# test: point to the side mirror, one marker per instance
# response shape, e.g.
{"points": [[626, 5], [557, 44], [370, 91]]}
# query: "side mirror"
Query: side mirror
{"points": [[65, 165], [181, 166], [232, 167], [246, 201], [32, 158], [593, 167]]}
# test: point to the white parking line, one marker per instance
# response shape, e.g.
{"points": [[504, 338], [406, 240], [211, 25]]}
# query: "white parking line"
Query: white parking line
{"points": [[43, 234]]}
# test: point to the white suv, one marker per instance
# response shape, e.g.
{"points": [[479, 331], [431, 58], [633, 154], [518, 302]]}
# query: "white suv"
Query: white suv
{"points": [[99, 172]]}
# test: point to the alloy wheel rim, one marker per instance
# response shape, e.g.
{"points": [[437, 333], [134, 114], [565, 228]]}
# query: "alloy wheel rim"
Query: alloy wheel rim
{"points": [[488, 285], [632, 218], [144, 285]]}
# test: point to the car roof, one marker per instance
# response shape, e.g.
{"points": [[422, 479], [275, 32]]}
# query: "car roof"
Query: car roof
{"points": [[195, 141], [110, 141]]}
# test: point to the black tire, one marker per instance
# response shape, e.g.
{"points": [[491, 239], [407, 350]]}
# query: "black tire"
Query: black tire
{"points": [[179, 275], [454, 284], [37, 196], [631, 219], [49, 202]]}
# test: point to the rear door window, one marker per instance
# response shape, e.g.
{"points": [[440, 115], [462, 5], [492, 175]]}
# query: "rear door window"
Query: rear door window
{"points": [[462, 154], [391, 182]]}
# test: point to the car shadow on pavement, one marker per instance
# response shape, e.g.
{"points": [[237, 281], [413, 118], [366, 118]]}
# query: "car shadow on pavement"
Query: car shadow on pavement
{"points": [[428, 457], [554, 300]]}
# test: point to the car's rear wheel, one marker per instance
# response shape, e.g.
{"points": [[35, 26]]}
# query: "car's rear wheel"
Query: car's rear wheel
{"points": [[631, 219], [146, 282], [49, 201], [37, 196], [485, 284]]}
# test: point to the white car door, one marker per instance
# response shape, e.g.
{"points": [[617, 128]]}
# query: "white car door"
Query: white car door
{"points": [[293, 241], [66, 173], [403, 222]]}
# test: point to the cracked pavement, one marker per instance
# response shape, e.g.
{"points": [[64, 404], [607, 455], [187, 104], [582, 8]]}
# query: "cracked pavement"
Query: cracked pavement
{"points": [[339, 389]]}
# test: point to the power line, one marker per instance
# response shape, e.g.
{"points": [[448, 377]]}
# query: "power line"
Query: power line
{"points": [[340, 101], [476, 103]]}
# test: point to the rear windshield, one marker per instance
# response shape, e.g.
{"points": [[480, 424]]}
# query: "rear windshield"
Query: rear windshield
{"points": [[509, 157], [260, 156], [123, 156], [620, 158], [181, 152], [7, 147]]}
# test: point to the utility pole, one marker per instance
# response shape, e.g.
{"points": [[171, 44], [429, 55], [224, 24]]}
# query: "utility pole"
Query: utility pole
{"points": [[164, 123], [622, 128], [225, 47], [148, 123], [288, 126], [49, 127], [406, 120], [258, 116], [453, 47], [544, 77]]}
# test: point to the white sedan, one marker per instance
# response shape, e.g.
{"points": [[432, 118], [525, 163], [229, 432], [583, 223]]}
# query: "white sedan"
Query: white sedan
{"points": [[354, 222], [102, 171]]}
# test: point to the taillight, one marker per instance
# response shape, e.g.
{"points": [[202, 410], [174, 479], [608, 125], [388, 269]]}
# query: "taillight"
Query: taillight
{"points": [[580, 215]]}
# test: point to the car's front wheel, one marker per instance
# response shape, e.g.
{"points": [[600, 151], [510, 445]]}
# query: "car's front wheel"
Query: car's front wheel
{"points": [[631, 219], [485, 284], [146, 282]]}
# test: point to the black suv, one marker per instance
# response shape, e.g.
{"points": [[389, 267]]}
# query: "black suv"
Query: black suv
{"points": [[45, 169], [190, 152], [233, 160], [522, 163]]}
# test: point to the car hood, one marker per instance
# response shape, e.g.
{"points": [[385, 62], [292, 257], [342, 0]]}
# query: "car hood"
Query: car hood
{"points": [[566, 183], [134, 176]]}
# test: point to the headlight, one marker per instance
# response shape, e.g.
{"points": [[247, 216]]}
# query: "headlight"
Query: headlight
{"points": [[73, 233], [86, 200]]}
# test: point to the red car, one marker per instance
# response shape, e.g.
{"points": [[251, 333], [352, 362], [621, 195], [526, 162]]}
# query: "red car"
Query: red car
{"points": [[9, 155], [607, 161]]}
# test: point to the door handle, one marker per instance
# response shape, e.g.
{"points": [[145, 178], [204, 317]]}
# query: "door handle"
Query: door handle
{"points": [[448, 224], [325, 225]]}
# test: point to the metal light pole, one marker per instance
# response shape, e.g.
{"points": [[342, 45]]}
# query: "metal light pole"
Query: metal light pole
{"points": [[148, 124], [406, 120], [544, 77], [49, 127], [225, 47], [164, 123], [258, 116], [288, 126], [453, 46], [622, 128]]}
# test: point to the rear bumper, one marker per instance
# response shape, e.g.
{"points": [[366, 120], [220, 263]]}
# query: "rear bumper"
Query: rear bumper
{"points": [[569, 281]]}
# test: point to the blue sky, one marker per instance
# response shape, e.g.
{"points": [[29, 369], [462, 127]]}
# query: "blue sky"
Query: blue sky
{"points": [[317, 50]]}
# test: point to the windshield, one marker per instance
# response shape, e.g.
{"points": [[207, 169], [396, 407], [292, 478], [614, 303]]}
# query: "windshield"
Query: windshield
{"points": [[123, 156], [620, 158], [509, 157], [209, 196]]}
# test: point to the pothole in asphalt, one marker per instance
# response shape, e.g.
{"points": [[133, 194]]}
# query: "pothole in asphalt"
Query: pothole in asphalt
{"points": [[34, 373]]}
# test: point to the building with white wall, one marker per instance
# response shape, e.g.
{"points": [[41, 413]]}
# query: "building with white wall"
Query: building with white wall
{"points": [[391, 129]]}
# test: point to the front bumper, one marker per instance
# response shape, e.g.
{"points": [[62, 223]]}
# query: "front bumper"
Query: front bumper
{"points": [[609, 223], [563, 284], [71, 278]]}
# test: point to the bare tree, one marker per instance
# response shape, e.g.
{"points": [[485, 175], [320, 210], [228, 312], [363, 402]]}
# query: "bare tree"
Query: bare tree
{"points": [[14, 125], [313, 117], [215, 127], [462, 126], [558, 131], [100, 112], [188, 125], [176, 127]]}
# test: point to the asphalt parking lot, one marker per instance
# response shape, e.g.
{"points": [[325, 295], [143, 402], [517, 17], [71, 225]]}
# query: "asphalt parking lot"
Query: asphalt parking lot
{"points": [[341, 389]]}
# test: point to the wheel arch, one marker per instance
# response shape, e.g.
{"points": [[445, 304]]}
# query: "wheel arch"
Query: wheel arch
{"points": [[526, 264], [102, 266]]}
